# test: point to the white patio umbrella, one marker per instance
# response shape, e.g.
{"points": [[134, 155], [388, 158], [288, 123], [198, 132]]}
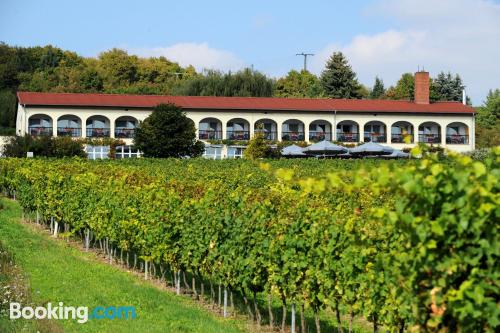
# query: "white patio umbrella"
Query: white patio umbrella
{"points": [[325, 148], [371, 148], [293, 151], [396, 153]]}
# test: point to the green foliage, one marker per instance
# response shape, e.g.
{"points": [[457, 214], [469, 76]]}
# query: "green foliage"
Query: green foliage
{"points": [[338, 79], [257, 148], [488, 121], [167, 132], [244, 83], [378, 89], [404, 89], [488, 115], [47, 270], [45, 146], [301, 84], [7, 109], [406, 244], [445, 87], [451, 256]]}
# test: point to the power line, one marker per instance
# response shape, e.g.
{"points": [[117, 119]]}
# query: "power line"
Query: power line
{"points": [[305, 58]]}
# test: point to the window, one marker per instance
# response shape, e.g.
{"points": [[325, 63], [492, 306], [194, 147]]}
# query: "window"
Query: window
{"points": [[293, 127], [344, 128], [127, 152], [213, 152], [235, 152], [97, 152], [453, 130]]}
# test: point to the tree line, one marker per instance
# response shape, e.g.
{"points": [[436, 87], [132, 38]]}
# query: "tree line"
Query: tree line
{"points": [[51, 69]]}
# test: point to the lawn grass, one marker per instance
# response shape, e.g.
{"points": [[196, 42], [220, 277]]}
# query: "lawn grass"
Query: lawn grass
{"points": [[56, 272]]}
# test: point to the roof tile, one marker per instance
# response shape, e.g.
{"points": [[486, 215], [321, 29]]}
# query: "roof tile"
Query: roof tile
{"points": [[238, 103]]}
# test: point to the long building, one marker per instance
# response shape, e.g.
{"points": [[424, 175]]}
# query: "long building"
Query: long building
{"points": [[399, 124]]}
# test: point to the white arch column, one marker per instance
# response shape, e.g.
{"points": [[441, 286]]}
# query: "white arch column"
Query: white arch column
{"points": [[112, 124], [279, 130], [361, 131], [54, 127], [84, 127], [224, 130], [306, 130], [251, 128]]}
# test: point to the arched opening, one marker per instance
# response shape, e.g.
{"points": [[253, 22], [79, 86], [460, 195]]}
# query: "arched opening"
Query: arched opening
{"points": [[97, 127], [40, 124], [375, 131], [348, 131], [69, 125], [457, 134], [320, 130], [293, 130], [402, 132], [268, 128], [429, 132], [238, 129], [125, 127], [210, 129]]}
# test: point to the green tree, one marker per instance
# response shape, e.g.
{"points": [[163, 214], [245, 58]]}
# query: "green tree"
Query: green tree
{"points": [[118, 68], [338, 79], [488, 121], [167, 132], [446, 87], [257, 147], [7, 109], [378, 89], [489, 113], [404, 89], [299, 84], [244, 83]]}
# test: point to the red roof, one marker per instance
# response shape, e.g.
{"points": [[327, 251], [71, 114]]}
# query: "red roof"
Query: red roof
{"points": [[238, 103]]}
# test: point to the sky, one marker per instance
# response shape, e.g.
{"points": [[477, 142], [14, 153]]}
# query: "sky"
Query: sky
{"points": [[379, 37]]}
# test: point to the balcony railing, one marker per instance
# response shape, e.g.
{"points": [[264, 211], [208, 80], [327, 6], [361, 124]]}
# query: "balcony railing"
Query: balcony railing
{"points": [[69, 131], [98, 132], [347, 137], [238, 135], [124, 133], [402, 138], [320, 136], [375, 137], [429, 138], [38, 131], [456, 139], [268, 135], [292, 136], [210, 135]]}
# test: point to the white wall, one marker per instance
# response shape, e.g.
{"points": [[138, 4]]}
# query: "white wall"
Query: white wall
{"points": [[307, 117]]}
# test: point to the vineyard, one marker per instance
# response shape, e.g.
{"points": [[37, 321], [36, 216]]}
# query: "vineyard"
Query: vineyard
{"points": [[408, 245]]}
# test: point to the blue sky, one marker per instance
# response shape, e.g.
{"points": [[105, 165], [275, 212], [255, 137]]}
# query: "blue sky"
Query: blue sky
{"points": [[380, 37]]}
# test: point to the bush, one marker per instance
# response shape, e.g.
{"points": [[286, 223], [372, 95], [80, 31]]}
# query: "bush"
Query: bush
{"points": [[45, 146], [66, 146], [257, 148]]}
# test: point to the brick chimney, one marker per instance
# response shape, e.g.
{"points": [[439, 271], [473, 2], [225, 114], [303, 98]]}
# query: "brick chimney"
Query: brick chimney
{"points": [[422, 87]]}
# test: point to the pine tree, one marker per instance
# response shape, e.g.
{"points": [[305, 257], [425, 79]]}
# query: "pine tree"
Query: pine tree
{"points": [[338, 79], [447, 88], [378, 89]]}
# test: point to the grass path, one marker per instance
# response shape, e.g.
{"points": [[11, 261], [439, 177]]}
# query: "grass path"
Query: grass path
{"points": [[57, 272]]}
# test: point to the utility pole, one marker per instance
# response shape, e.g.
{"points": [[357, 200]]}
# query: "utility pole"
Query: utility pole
{"points": [[305, 58]]}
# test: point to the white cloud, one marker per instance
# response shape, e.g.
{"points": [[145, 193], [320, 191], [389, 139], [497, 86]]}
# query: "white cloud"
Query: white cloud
{"points": [[200, 55], [461, 36]]}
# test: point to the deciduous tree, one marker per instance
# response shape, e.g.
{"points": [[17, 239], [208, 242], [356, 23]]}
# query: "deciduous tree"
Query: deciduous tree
{"points": [[167, 132]]}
